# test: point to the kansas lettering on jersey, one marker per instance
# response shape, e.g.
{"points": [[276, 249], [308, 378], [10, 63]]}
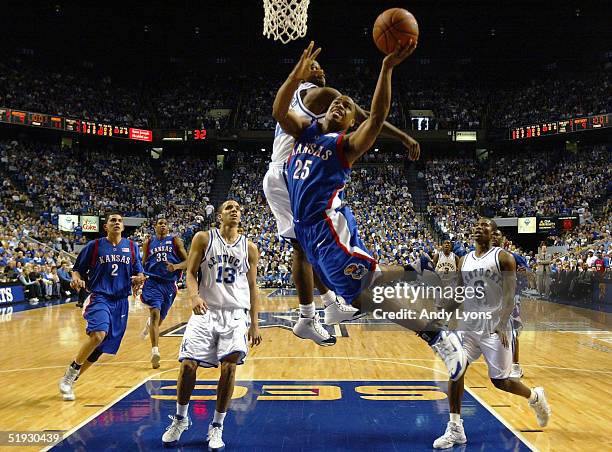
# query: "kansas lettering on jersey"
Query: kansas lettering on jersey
{"points": [[109, 268], [482, 273], [223, 282], [160, 252], [283, 142], [316, 173]]}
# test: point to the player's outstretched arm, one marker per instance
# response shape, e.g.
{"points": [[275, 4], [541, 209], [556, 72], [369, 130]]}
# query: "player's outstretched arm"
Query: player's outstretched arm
{"points": [[198, 245], [389, 130], [319, 99], [254, 332], [288, 120], [359, 142]]}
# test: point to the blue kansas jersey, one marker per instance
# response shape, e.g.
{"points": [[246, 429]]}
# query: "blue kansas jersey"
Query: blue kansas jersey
{"points": [[160, 252], [109, 267], [316, 173]]}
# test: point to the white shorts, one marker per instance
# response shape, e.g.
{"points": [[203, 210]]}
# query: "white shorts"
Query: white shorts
{"points": [[212, 336], [277, 195], [497, 357]]}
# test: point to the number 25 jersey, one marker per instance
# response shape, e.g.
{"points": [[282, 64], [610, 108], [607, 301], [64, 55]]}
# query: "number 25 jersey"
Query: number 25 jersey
{"points": [[223, 271], [316, 173]]}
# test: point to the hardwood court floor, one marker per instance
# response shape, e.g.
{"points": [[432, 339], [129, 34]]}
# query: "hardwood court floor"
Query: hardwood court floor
{"points": [[574, 367]]}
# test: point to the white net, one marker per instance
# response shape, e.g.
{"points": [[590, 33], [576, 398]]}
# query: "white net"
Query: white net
{"points": [[285, 20]]}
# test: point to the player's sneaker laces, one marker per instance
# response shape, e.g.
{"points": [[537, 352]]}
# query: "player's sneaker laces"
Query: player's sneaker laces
{"points": [[517, 371], [312, 329], [145, 332], [214, 438], [448, 347], [175, 430], [155, 359], [66, 383], [339, 311], [454, 434], [540, 407]]}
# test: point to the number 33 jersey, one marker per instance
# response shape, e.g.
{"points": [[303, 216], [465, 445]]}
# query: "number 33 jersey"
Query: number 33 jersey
{"points": [[223, 271], [316, 173]]}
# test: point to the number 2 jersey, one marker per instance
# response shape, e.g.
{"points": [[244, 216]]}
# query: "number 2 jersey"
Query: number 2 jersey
{"points": [[317, 170], [223, 271], [109, 268], [159, 253]]}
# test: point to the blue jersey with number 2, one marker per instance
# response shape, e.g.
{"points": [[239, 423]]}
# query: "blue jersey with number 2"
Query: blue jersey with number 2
{"points": [[109, 268]]}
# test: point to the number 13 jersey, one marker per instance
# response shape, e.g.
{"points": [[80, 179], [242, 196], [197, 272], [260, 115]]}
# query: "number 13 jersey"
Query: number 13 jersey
{"points": [[223, 271]]}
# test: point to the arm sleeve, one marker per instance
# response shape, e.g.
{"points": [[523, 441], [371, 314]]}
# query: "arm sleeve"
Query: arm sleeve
{"points": [[83, 260]]}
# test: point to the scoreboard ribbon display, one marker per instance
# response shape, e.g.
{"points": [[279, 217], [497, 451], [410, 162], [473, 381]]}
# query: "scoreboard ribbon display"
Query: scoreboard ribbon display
{"points": [[82, 126], [561, 126]]}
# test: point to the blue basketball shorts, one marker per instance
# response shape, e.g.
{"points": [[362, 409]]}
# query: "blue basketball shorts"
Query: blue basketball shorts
{"points": [[337, 254], [108, 315], [159, 295]]}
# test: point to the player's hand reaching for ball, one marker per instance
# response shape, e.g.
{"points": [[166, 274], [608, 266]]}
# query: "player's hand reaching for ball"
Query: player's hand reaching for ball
{"points": [[254, 335], [198, 305], [170, 266], [414, 149], [400, 53], [303, 70]]}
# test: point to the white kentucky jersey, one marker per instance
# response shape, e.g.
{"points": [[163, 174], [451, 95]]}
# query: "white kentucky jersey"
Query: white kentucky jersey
{"points": [[447, 268], [283, 142], [446, 264], [481, 311], [223, 271]]}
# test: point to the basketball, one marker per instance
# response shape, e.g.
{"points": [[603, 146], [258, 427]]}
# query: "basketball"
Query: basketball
{"points": [[393, 25]]}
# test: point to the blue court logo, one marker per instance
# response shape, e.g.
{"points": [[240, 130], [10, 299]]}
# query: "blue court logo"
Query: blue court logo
{"points": [[356, 271]]}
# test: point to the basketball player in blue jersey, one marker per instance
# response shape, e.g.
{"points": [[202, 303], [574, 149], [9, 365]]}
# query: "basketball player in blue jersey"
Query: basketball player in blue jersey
{"points": [[113, 268], [497, 239], [164, 256], [494, 270], [311, 100], [318, 168]]}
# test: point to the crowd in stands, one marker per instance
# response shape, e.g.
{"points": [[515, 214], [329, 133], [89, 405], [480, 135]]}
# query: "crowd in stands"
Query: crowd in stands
{"points": [[542, 99], [222, 99], [81, 181], [518, 186], [35, 255], [39, 181]]}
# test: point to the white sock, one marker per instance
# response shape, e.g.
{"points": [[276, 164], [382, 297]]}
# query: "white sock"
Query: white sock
{"points": [[455, 418], [328, 298], [155, 350], [218, 418], [308, 310], [533, 397], [182, 410]]}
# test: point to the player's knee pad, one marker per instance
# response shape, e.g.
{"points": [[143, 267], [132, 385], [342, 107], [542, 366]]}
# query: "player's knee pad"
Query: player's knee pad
{"points": [[95, 355]]}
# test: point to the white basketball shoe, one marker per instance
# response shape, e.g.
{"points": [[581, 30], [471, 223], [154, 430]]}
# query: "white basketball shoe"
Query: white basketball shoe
{"points": [[175, 430], [311, 328], [66, 384], [448, 347], [540, 407], [339, 311], [453, 435]]}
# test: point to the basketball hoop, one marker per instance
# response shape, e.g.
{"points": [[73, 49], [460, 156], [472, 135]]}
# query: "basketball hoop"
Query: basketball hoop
{"points": [[285, 20]]}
